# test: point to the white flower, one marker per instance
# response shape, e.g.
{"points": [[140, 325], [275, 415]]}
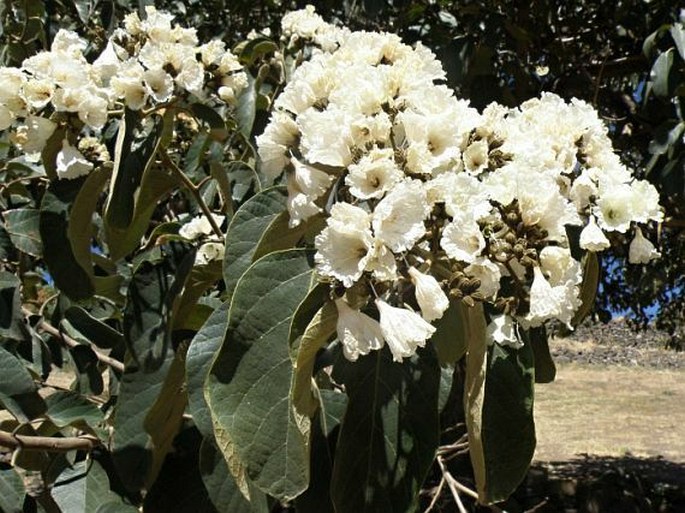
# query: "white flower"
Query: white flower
{"points": [[544, 303], [108, 63], [358, 333], [429, 295], [159, 84], [199, 226], [476, 157], [32, 136], [326, 136], [545, 206], [382, 262], [343, 246], [71, 163], [502, 330], [398, 218], [192, 77], [403, 330], [306, 184], [6, 117], [92, 110], [274, 144], [11, 82], [557, 263], [128, 84], [641, 250], [462, 239], [374, 174], [209, 252], [615, 208], [488, 273], [38, 92], [592, 237], [68, 42]]}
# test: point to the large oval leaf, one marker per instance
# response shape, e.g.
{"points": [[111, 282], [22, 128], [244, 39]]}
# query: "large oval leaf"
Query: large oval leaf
{"points": [[72, 274], [248, 388], [389, 433], [259, 227]]}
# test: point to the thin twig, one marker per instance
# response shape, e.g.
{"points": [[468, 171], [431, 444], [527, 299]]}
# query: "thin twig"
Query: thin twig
{"points": [[45, 326], [436, 495], [451, 485], [48, 443], [194, 191]]}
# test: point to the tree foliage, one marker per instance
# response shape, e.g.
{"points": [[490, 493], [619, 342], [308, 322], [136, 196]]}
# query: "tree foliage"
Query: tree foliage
{"points": [[139, 368]]}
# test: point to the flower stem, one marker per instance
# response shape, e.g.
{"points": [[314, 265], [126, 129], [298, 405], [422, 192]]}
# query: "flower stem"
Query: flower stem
{"points": [[194, 191]]}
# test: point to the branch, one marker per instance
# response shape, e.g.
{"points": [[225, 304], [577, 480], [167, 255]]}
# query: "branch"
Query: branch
{"points": [[48, 443], [194, 191], [45, 326]]}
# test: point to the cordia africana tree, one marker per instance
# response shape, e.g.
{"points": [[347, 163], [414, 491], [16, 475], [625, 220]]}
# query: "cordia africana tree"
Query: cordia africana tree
{"points": [[201, 314]]}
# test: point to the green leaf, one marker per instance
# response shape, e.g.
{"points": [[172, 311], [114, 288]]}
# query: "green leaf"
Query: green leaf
{"points": [[83, 488], [49, 154], [449, 339], [80, 219], [256, 229], [588, 289], [246, 109], [55, 212], [678, 35], [255, 48], [96, 331], [165, 416], [317, 497], [508, 429], [199, 359], [249, 383], [152, 298], [84, 9], [11, 318], [156, 184], [200, 278], [221, 486], [17, 389], [21, 225], [12, 491], [660, 75], [389, 433], [132, 449], [319, 330], [545, 370], [72, 409], [134, 152], [212, 118], [474, 392]]}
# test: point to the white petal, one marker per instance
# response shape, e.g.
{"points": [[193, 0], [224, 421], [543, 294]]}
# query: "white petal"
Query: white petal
{"points": [[592, 237], [641, 251], [71, 163], [430, 297], [358, 333], [503, 331], [403, 330]]}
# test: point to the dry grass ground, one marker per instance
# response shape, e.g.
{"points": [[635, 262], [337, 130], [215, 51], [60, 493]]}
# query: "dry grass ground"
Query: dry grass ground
{"points": [[611, 411]]}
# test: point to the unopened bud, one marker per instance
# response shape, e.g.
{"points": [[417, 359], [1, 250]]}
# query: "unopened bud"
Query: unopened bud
{"points": [[518, 250], [468, 301], [526, 261], [510, 238], [456, 293]]}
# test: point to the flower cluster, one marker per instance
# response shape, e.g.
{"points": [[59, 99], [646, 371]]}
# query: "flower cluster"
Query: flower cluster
{"points": [[427, 199], [145, 64]]}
